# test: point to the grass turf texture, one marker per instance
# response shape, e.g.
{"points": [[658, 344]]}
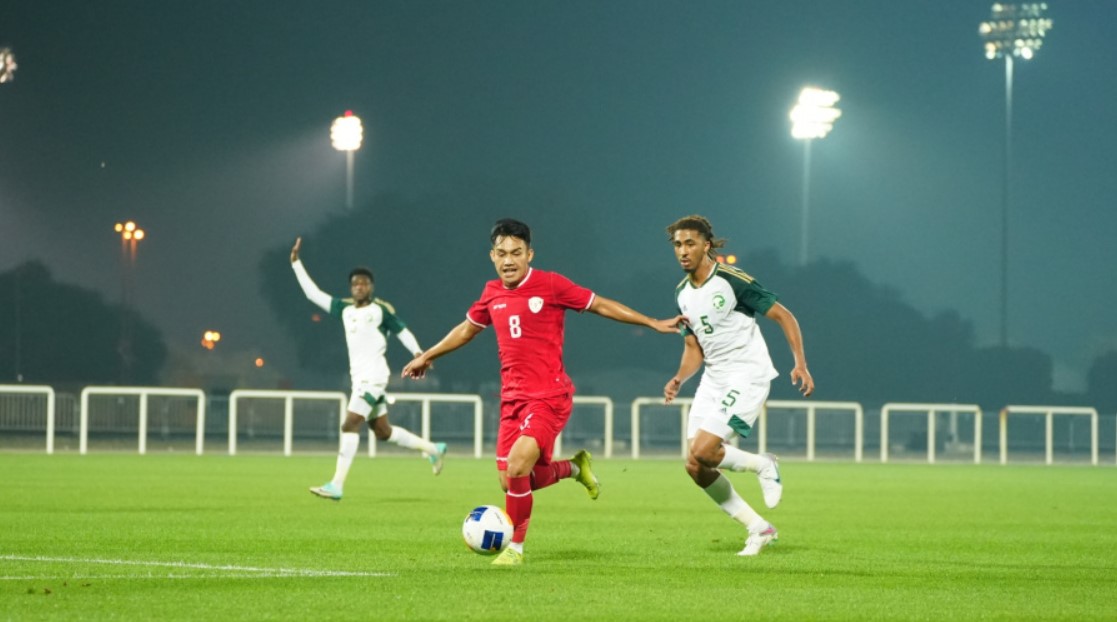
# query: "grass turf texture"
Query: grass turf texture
{"points": [[859, 542]]}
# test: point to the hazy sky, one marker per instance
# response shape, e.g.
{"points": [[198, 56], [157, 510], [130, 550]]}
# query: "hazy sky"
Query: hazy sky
{"points": [[207, 122]]}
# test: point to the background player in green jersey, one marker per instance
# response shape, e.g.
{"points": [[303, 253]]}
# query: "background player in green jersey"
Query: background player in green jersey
{"points": [[368, 323], [721, 304]]}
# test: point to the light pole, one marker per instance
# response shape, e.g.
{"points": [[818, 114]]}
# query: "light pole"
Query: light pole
{"points": [[812, 117], [1013, 30], [346, 134], [130, 235]]}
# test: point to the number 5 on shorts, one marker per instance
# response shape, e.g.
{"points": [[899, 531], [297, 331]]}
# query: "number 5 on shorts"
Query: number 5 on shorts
{"points": [[730, 398]]}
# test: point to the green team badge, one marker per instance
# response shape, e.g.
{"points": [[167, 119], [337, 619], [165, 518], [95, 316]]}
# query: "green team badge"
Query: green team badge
{"points": [[719, 301]]}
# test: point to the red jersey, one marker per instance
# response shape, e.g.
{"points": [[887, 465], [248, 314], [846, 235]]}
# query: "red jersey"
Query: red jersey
{"points": [[529, 321]]}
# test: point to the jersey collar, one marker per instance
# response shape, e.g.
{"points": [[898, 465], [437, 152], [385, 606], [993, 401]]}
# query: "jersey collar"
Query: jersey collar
{"points": [[713, 271], [521, 283]]}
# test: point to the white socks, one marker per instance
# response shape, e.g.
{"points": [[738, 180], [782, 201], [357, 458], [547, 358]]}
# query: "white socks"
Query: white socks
{"points": [[349, 443], [723, 494], [407, 440], [740, 460]]}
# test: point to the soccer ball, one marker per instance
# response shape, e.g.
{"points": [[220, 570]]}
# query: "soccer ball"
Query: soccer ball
{"points": [[487, 530]]}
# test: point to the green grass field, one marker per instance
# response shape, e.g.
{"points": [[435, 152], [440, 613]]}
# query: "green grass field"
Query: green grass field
{"points": [[120, 536]]}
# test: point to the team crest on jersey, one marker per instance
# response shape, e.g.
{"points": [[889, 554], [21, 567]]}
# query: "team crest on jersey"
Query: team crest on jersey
{"points": [[719, 301], [535, 303]]}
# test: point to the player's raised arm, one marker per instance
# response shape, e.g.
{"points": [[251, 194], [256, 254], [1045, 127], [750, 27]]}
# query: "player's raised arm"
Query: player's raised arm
{"points": [[310, 289], [457, 337], [621, 313]]}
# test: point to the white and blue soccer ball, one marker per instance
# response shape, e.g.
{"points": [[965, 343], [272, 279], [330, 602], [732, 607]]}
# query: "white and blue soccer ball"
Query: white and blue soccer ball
{"points": [[487, 530]]}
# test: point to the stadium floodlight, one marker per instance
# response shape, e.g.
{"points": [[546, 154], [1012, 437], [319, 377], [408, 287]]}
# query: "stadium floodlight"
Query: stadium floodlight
{"points": [[1015, 30], [812, 117], [7, 65], [130, 236], [346, 134], [1012, 31]]}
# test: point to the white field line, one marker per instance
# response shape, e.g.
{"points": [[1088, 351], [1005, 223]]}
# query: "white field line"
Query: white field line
{"points": [[227, 570]]}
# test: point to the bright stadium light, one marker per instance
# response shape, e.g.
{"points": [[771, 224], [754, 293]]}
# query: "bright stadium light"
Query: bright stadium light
{"points": [[130, 236], [812, 117], [1012, 31], [346, 134], [7, 65], [210, 339]]}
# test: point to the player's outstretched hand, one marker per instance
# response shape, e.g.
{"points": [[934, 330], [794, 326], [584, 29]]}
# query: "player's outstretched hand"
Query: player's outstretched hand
{"points": [[671, 389], [670, 326], [295, 249], [417, 368], [800, 376]]}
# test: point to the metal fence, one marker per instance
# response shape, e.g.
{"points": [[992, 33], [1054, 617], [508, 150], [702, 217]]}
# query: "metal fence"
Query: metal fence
{"points": [[159, 419]]}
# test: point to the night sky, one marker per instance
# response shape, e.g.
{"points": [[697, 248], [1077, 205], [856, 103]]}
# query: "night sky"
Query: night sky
{"points": [[208, 123]]}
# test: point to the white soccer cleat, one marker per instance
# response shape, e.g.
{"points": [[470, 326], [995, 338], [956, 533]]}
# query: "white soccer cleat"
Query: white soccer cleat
{"points": [[436, 458], [758, 540], [770, 484], [327, 491]]}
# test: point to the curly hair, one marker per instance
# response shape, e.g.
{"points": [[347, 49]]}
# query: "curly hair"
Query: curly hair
{"points": [[697, 223]]}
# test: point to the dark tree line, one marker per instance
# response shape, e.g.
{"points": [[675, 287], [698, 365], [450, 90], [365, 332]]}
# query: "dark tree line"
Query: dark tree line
{"points": [[864, 342], [56, 333]]}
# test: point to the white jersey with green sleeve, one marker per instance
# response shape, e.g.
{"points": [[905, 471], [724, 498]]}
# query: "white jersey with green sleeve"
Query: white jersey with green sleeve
{"points": [[367, 329], [722, 315]]}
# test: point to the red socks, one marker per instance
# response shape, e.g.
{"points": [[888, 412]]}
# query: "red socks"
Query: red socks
{"points": [[517, 502], [543, 476]]}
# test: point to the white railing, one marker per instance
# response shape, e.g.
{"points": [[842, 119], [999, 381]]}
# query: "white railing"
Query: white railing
{"points": [[426, 399], [37, 389], [288, 398], [143, 393], [24, 420], [607, 409], [1049, 413], [813, 407], [931, 410], [682, 403]]}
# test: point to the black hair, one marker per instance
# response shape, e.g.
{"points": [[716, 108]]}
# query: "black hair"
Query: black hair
{"points": [[508, 227], [361, 270]]}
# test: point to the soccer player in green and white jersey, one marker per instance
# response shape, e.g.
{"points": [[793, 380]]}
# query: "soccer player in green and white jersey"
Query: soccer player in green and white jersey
{"points": [[721, 304], [368, 323]]}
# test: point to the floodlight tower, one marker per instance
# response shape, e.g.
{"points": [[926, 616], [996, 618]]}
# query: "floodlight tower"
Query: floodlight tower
{"points": [[812, 117], [346, 134], [1013, 31], [7, 65]]}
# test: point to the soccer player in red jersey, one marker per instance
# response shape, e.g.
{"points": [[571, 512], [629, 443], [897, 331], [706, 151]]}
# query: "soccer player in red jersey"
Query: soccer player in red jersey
{"points": [[526, 307]]}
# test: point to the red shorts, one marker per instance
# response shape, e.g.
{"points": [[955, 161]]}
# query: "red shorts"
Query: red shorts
{"points": [[540, 418]]}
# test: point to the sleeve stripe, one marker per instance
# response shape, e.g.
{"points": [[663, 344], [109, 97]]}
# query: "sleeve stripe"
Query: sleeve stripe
{"points": [[474, 322], [589, 304]]}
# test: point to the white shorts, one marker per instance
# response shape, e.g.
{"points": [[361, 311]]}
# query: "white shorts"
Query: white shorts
{"points": [[726, 408], [368, 397]]}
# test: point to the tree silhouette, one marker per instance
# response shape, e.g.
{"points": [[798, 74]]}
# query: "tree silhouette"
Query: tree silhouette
{"points": [[864, 342], [52, 332]]}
